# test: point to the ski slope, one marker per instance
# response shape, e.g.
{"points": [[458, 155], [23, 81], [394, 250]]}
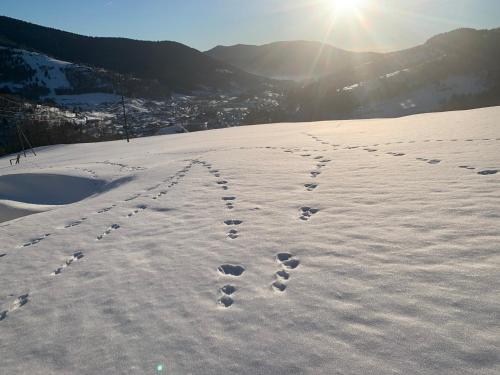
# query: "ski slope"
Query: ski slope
{"points": [[346, 247]]}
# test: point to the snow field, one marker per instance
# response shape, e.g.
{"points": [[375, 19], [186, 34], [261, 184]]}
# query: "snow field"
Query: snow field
{"points": [[339, 247]]}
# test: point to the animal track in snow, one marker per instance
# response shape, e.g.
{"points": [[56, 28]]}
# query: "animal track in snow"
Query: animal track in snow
{"points": [[233, 222], [287, 262], [430, 161], [228, 289], [136, 211], [90, 171], [122, 166], [108, 231], [225, 300], [229, 202], [75, 223], [315, 174], [466, 167], [132, 197], [232, 234], [19, 302], [231, 270], [160, 194], [106, 209], [223, 184], [35, 240], [396, 153], [153, 187], [282, 275], [278, 286], [307, 212], [310, 187], [76, 256], [214, 172], [488, 172]]}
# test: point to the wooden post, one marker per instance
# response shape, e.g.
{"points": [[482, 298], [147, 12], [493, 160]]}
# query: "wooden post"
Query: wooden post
{"points": [[20, 139], [27, 141], [21, 135]]}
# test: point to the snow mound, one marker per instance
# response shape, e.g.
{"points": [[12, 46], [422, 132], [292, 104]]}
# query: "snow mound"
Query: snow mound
{"points": [[27, 193]]}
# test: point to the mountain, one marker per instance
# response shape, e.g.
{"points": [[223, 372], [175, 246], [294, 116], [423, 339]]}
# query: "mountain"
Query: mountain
{"points": [[455, 70], [35, 76], [294, 60], [347, 247], [175, 66]]}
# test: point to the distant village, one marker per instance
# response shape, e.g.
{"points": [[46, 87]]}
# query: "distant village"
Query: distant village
{"points": [[45, 124]]}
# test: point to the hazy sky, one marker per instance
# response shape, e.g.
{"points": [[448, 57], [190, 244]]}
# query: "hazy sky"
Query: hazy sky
{"points": [[379, 25]]}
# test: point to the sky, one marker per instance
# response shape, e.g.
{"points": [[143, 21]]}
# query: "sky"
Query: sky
{"points": [[358, 25]]}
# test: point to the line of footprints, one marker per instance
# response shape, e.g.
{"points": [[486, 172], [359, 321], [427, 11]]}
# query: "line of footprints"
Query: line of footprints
{"points": [[286, 261], [18, 302], [227, 291], [228, 200], [226, 300], [174, 180], [484, 172], [78, 255]]}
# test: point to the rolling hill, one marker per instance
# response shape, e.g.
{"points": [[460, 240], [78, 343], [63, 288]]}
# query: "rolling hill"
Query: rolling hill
{"points": [[455, 70], [294, 60], [175, 66]]}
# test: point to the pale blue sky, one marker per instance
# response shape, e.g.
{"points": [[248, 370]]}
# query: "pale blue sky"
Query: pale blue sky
{"points": [[379, 25]]}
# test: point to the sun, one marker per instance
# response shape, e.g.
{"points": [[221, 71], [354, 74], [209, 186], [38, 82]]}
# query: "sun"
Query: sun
{"points": [[346, 6]]}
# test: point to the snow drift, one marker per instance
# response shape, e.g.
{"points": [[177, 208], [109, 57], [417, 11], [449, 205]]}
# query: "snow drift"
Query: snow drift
{"points": [[25, 193]]}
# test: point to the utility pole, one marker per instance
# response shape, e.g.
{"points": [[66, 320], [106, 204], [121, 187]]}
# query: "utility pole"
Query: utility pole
{"points": [[125, 119]]}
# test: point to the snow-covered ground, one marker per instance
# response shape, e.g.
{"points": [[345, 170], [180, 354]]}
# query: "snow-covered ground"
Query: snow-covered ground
{"points": [[52, 74], [47, 70], [346, 247], [428, 98]]}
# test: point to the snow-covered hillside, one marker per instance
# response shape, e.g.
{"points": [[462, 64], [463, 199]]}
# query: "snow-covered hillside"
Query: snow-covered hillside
{"points": [[346, 247], [53, 77], [420, 98]]}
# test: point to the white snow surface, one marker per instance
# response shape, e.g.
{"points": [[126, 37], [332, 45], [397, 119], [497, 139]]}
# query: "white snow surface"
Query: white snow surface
{"points": [[426, 99], [392, 252], [48, 70]]}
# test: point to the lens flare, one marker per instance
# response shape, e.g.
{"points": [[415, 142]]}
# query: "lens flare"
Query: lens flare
{"points": [[346, 6]]}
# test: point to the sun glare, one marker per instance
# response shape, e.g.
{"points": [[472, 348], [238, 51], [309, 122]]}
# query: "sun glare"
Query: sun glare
{"points": [[346, 6]]}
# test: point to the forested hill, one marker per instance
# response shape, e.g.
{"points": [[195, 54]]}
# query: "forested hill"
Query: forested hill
{"points": [[173, 64]]}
